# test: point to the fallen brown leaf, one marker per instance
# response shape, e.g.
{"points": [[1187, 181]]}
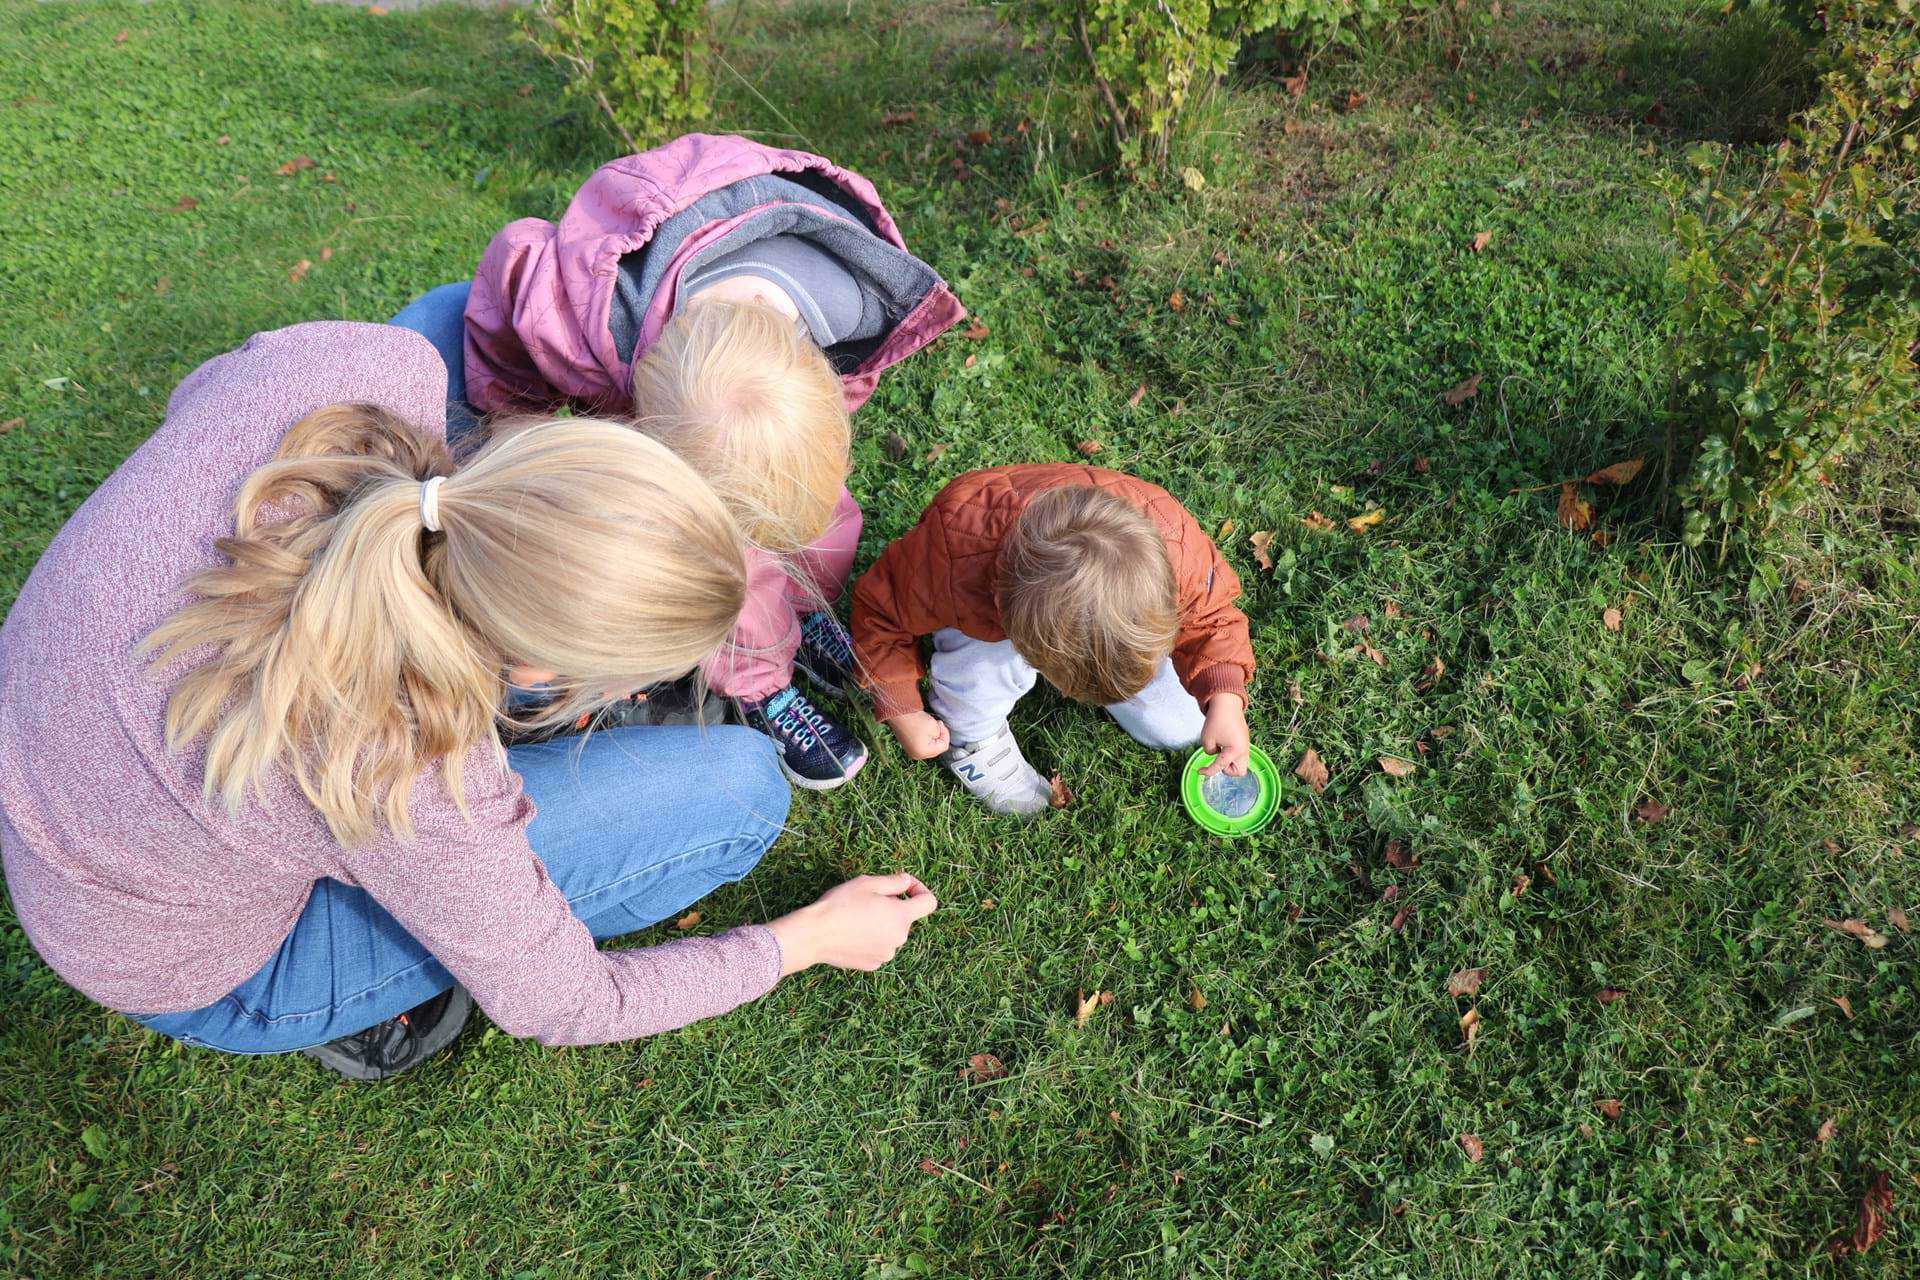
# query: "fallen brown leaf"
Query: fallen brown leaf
{"points": [[1619, 473], [982, 1067], [1652, 811], [687, 921], [1827, 1129], [1087, 448], [1295, 85], [1480, 240], [1355, 100], [1874, 1208], [1860, 929], [1398, 858], [934, 453], [1198, 1000], [1461, 391], [184, 203], [1085, 1009], [1139, 394], [1372, 654], [1470, 1027], [1898, 919], [298, 271], [1422, 465], [294, 166], [1262, 543], [1465, 984], [1471, 1144], [1366, 520], [1574, 512], [930, 1166], [1395, 767], [979, 137], [894, 119], [895, 446], [1314, 520], [1845, 1005], [975, 331], [1358, 624], [1062, 794], [1610, 1108], [1521, 883], [1400, 918], [377, 10], [1430, 676], [1607, 995], [120, 37], [1312, 771], [1390, 894], [970, 361], [1610, 618], [1177, 300], [1391, 609], [12, 424]]}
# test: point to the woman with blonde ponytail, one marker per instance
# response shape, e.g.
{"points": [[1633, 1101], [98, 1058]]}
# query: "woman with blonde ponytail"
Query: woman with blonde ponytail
{"points": [[252, 786]]}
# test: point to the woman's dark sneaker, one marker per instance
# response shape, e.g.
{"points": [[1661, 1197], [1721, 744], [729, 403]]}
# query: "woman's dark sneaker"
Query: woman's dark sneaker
{"points": [[816, 753], [390, 1047], [826, 653], [683, 701]]}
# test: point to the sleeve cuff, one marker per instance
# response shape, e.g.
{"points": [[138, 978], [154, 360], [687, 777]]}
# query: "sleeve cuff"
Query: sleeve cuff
{"points": [[1217, 679], [899, 699], [760, 959]]}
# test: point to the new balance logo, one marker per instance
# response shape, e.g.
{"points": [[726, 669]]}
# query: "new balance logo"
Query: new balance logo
{"points": [[969, 773]]}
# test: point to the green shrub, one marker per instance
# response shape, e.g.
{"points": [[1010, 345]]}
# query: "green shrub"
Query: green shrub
{"points": [[1798, 312], [1147, 59], [639, 63]]}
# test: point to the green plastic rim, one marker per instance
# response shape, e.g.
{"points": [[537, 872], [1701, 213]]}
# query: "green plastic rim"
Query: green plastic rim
{"points": [[1260, 767]]}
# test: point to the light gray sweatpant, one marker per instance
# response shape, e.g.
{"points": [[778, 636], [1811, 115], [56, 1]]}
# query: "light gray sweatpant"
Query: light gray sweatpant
{"points": [[976, 682]]}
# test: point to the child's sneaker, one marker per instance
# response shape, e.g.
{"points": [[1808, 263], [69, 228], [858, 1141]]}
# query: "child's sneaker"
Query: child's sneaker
{"points": [[816, 752], [995, 772], [826, 653]]}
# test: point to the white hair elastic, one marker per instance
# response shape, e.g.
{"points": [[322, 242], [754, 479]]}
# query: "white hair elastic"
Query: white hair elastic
{"points": [[430, 503]]}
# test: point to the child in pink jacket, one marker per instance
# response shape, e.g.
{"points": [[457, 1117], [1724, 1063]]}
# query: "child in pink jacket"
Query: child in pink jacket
{"points": [[739, 301]]}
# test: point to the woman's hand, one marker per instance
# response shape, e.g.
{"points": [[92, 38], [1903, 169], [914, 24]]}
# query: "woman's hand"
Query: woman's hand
{"points": [[856, 925], [922, 736], [1225, 735]]}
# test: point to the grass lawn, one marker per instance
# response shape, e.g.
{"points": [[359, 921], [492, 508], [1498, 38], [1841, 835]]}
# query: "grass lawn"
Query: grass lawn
{"points": [[1280, 1083]]}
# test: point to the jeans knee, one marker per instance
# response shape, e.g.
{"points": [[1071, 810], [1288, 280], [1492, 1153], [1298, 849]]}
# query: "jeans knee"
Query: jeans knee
{"points": [[745, 765]]}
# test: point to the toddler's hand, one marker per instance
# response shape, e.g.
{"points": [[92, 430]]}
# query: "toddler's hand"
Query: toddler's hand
{"points": [[1225, 735], [922, 736]]}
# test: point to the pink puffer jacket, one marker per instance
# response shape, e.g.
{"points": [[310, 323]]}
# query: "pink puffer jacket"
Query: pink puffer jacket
{"points": [[538, 330]]}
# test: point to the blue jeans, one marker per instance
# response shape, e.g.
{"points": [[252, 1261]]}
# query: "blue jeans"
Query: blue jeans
{"points": [[439, 315], [633, 825]]}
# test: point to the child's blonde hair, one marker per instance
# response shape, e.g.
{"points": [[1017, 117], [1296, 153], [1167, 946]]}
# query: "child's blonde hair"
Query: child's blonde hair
{"points": [[738, 391], [1087, 593], [354, 648]]}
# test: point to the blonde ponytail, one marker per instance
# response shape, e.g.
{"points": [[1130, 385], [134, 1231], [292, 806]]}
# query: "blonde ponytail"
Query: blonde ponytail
{"points": [[745, 397], [355, 648]]}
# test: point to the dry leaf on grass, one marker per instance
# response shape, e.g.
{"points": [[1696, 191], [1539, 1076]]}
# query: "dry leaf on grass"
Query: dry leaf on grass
{"points": [[1177, 300], [933, 454], [1845, 1006], [1480, 240], [1372, 654], [1139, 394], [1197, 1000], [298, 271], [1470, 1027], [1366, 520], [1610, 1108], [1619, 473], [1398, 858], [1461, 392], [1262, 542], [1874, 1208], [931, 1167], [895, 446], [1295, 85], [1521, 883], [979, 137], [1395, 767], [894, 119], [1652, 811], [1061, 794], [121, 37], [295, 165], [687, 921], [1430, 676], [1087, 448], [184, 203], [1400, 918], [1314, 520], [1860, 929], [1607, 995], [12, 424], [1465, 984], [1610, 618], [1898, 919], [975, 331], [1827, 1129], [981, 1068], [1574, 512], [1358, 624], [1312, 771], [1084, 1010], [1471, 1144]]}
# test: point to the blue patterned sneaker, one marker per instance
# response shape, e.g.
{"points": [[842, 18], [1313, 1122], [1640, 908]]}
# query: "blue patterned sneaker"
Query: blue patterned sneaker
{"points": [[826, 653], [815, 751]]}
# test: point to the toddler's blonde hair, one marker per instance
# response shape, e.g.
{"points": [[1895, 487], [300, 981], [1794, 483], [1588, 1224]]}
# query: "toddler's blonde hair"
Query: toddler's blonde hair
{"points": [[354, 648], [1087, 593], [742, 394]]}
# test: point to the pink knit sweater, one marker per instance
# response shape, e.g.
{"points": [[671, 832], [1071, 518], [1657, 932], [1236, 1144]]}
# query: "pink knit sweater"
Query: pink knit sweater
{"points": [[149, 899]]}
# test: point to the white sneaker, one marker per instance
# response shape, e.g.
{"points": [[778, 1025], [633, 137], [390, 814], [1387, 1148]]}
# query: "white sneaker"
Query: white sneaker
{"points": [[997, 775]]}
